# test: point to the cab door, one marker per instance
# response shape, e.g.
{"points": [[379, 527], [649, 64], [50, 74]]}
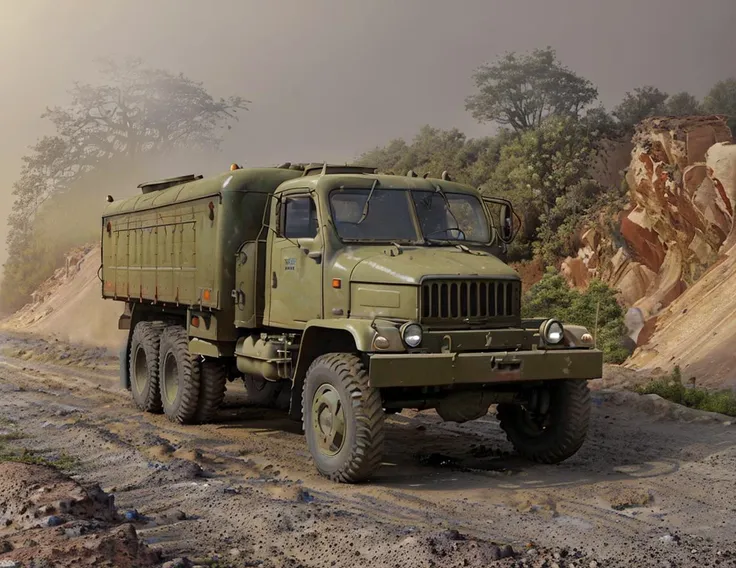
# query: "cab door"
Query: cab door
{"points": [[294, 275]]}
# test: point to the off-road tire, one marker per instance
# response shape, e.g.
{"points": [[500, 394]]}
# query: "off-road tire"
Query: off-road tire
{"points": [[569, 415], [185, 369], [212, 387], [146, 338], [268, 394], [362, 447]]}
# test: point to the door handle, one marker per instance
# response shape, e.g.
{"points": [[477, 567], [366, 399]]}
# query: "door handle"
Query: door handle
{"points": [[274, 281]]}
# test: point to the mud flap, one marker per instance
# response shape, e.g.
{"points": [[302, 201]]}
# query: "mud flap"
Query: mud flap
{"points": [[124, 367]]}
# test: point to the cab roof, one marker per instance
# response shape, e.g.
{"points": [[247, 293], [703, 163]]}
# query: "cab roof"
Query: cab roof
{"points": [[319, 177], [332, 181]]}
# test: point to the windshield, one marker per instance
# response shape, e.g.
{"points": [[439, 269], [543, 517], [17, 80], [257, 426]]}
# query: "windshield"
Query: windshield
{"points": [[385, 215], [451, 216]]}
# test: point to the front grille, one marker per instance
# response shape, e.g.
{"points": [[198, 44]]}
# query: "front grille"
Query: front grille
{"points": [[470, 300]]}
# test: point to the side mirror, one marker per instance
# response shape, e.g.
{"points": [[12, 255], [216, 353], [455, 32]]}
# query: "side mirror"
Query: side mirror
{"points": [[506, 230], [506, 223]]}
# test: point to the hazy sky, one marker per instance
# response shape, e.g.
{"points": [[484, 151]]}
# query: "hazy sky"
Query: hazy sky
{"points": [[331, 78]]}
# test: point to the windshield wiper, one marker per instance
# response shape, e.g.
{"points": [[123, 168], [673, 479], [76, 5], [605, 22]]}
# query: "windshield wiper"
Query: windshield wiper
{"points": [[438, 189], [364, 214]]}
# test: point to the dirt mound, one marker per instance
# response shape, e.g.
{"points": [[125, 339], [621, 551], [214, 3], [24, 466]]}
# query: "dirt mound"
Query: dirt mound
{"points": [[49, 519], [69, 305]]}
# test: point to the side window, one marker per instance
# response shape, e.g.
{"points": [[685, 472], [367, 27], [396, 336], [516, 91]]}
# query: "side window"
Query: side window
{"points": [[299, 218]]}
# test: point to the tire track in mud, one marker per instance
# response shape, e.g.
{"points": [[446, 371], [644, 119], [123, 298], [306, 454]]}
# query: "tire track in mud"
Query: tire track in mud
{"points": [[255, 459]]}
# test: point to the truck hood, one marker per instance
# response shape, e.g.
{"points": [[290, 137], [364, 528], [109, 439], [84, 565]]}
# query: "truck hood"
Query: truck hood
{"points": [[412, 264]]}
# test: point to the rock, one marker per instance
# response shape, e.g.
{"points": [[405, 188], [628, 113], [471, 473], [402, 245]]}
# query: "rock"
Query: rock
{"points": [[453, 534], [5, 547], [235, 552], [178, 563], [9, 564], [507, 551], [304, 496], [494, 552], [180, 516], [669, 539], [54, 521], [682, 189]]}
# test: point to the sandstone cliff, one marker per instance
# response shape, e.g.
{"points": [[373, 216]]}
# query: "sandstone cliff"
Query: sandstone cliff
{"points": [[697, 330], [682, 188]]}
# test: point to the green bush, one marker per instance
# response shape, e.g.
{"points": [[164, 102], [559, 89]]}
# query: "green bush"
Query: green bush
{"points": [[552, 297], [672, 388]]}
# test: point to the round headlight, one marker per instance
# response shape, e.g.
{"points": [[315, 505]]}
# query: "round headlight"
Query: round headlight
{"points": [[552, 332], [412, 334]]}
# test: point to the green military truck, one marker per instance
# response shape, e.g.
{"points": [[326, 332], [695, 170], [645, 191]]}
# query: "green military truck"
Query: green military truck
{"points": [[341, 295]]}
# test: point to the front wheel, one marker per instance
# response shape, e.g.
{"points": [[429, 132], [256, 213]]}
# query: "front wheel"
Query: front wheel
{"points": [[553, 426], [343, 418]]}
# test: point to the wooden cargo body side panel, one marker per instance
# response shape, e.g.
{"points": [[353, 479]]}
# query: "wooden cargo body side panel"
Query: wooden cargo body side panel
{"points": [[164, 255]]}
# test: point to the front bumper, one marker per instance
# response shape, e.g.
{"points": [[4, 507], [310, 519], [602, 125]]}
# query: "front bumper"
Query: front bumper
{"points": [[444, 369]]}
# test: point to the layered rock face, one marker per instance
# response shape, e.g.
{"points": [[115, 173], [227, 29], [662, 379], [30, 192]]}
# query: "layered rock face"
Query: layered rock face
{"points": [[682, 189]]}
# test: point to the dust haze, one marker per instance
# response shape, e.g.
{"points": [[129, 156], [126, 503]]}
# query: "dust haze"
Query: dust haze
{"points": [[329, 80]]}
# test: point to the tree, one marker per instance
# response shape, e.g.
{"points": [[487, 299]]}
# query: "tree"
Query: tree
{"points": [[433, 151], [135, 111], [682, 104], [642, 103], [600, 124], [522, 90], [544, 172], [722, 100]]}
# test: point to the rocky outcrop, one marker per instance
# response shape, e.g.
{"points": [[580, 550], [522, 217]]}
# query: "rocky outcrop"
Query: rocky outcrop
{"points": [[682, 191]]}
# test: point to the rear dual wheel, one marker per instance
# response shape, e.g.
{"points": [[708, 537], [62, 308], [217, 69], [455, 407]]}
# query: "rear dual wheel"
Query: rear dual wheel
{"points": [[144, 366], [165, 376]]}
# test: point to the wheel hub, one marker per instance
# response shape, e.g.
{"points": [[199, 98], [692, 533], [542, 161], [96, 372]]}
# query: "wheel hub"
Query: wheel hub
{"points": [[328, 420], [170, 378], [140, 370]]}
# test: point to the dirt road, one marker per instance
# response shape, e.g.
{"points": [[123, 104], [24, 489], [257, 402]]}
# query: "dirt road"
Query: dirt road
{"points": [[651, 487]]}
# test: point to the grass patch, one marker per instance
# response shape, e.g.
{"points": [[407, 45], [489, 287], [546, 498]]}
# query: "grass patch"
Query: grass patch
{"points": [[673, 389], [62, 461]]}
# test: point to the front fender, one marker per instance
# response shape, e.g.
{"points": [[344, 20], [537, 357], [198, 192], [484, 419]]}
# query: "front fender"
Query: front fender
{"points": [[344, 335], [363, 331]]}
